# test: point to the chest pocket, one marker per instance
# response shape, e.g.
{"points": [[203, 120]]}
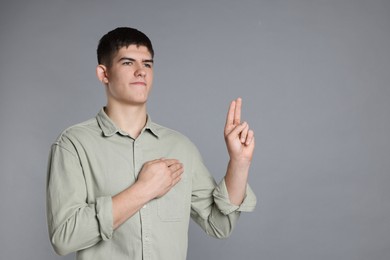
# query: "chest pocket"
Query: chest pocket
{"points": [[171, 207]]}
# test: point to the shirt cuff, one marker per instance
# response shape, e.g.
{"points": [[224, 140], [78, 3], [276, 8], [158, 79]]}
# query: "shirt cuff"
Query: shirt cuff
{"points": [[104, 216], [221, 198]]}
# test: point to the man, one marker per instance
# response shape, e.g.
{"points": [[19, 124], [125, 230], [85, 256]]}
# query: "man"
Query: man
{"points": [[122, 187]]}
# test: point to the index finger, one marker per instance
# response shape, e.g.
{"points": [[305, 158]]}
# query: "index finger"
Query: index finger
{"points": [[230, 115], [170, 162], [237, 112]]}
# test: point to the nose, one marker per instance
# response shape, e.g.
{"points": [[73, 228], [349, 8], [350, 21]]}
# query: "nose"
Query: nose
{"points": [[140, 72]]}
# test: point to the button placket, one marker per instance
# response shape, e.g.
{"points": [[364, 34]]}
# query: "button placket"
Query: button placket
{"points": [[145, 210], [146, 232], [137, 157]]}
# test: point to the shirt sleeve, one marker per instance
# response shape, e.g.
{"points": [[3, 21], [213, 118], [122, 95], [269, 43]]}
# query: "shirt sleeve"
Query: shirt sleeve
{"points": [[73, 223], [210, 205], [221, 198]]}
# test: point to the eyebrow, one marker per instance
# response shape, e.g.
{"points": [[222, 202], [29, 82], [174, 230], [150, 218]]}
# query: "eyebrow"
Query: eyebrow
{"points": [[131, 59]]}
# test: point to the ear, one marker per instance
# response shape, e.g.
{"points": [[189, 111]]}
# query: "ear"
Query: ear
{"points": [[101, 73]]}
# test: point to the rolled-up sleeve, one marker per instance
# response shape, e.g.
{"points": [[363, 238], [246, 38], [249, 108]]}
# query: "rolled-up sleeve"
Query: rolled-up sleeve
{"points": [[210, 207], [74, 222], [104, 215], [221, 199]]}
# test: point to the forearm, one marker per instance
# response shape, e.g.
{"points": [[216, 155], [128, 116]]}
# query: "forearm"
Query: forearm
{"points": [[128, 202], [236, 179]]}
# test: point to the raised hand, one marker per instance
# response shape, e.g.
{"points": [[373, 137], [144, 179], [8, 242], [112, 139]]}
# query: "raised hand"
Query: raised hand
{"points": [[239, 138]]}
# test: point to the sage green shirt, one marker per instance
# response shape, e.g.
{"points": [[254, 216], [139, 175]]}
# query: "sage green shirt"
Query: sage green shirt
{"points": [[93, 161]]}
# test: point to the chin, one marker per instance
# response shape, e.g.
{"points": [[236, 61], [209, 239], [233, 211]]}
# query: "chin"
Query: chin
{"points": [[139, 102]]}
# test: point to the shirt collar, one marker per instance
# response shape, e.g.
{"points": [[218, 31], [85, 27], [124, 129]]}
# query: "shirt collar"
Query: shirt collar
{"points": [[109, 128]]}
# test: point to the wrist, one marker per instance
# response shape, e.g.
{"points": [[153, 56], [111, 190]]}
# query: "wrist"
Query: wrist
{"points": [[241, 162], [144, 193], [238, 166]]}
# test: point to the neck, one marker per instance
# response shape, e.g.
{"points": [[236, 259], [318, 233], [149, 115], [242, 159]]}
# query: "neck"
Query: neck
{"points": [[130, 119]]}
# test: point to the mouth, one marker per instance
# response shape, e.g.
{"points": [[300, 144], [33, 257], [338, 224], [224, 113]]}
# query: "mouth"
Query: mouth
{"points": [[141, 83]]}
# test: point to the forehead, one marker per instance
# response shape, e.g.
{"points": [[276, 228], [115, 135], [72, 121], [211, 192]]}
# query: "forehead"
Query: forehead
{"points": [[133, 51]]}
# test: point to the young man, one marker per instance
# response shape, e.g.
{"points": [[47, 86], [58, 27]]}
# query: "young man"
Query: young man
{"points": [[122, 187]]}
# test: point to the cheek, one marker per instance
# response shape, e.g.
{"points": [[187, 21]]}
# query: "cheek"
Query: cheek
{"points": [[120, 73]]}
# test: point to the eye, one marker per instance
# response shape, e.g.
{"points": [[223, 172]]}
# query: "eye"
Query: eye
{"points": [[127, 63], [148, 65]]}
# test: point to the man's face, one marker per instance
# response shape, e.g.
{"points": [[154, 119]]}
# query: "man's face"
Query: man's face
{"points": [[130, 77]]}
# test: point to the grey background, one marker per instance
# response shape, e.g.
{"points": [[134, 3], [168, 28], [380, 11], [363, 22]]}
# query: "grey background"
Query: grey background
{"points": [[314, 76]]}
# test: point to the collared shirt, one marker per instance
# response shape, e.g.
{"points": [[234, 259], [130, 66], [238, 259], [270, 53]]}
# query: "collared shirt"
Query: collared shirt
{"points": [[93, 161]]}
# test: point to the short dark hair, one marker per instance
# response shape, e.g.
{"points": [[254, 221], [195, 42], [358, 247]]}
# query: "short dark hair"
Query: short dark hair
{"points": [[120, 37]]}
